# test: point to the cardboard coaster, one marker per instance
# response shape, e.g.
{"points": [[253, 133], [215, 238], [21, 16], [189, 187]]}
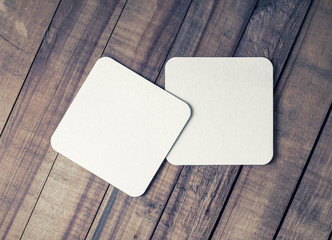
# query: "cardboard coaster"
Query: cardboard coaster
{"points": [[120, 126], [232, 110]]}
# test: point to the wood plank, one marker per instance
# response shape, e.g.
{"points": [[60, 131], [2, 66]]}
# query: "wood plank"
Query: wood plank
{"points": [[200, 192], [145, 33], [122, 217], [58, 215], [69, 211], [74, 41], [302, 99], [309, 215], [22, 27]]}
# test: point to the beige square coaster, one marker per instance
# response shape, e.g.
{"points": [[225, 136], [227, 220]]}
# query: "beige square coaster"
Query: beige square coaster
{"points": [[120, 126], [232, 110]]}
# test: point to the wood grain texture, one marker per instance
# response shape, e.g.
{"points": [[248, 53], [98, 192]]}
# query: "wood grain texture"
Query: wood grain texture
{"points": [[123, 217], [302, 99], [192, 210], [145, 33], [64, 212], [74, 41], [200, 192], [22, 27], [149, 19], [181, 203], [309, 215]]}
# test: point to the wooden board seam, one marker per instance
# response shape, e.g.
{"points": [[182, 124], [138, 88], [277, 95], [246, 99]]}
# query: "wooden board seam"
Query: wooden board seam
{"points": [[303, 171], [26, 76], [177, 178], [244, 29], [94, 217], [26, 224], [226, 201], [292, 47], [116, 23]]}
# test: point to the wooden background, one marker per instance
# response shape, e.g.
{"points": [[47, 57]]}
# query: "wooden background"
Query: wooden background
{"points": [[47, 48]]}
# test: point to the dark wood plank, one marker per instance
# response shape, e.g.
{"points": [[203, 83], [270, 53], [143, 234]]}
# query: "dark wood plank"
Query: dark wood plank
{"points": [[200, 192], [78, 193], [122, 217], [302, 99], [73, 42], [22, 27], [145, 33], [310, 213]]}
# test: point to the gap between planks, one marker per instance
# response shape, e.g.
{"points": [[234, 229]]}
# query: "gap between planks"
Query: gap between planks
{"points": [[38, 197], [26, 76], [303, 171]]}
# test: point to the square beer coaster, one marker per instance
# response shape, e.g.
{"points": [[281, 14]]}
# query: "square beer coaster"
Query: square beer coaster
{"points": [[120, 126], [232, 110]]}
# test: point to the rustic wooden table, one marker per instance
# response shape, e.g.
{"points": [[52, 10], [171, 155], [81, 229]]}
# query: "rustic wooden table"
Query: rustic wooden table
{"points": [[47, 48]]}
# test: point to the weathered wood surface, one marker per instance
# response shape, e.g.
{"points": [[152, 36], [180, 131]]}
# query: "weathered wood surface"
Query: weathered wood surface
{"points": [[74, 41], [309, 215], [46, 196], [122, 217], [201, 191], [137, 28], [68, 203], [145, 33], [302, 99], [22, 27]]}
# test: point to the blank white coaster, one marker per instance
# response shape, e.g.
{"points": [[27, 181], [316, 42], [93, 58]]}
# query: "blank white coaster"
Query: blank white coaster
{"points": [[120, 126], [232, 110]]}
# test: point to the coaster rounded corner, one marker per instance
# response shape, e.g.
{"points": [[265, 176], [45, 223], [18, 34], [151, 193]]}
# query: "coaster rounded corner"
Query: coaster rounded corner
{"points": [[175, 163], [269, 159], [187, 110], [172, 61], [266, 63], [53, 142], [137, 193]]}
